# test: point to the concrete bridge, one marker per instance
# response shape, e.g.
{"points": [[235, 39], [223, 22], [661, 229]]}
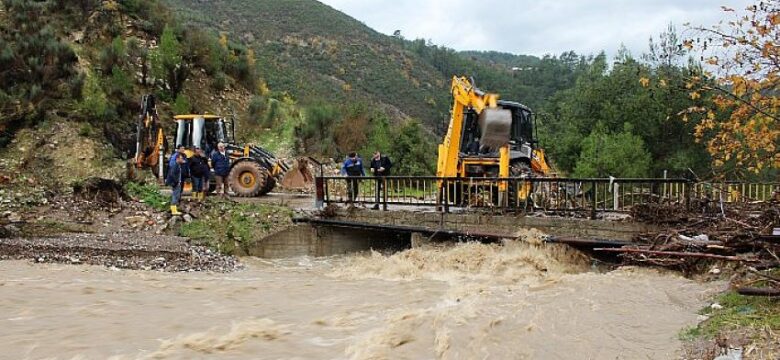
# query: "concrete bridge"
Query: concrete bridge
{"points": [[578, 212], [342, 230]]}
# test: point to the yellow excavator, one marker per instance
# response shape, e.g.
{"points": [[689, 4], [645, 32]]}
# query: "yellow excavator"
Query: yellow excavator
{"points": [[490, 138], [254, 171]]}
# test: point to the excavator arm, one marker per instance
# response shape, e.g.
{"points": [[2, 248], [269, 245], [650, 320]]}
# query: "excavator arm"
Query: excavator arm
{"points": [[151, 144], [467, 97]]}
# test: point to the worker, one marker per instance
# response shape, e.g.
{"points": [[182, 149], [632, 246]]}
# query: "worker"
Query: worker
{"points": [[199, 170], [175, 181], [220, 162], [352, 168], [172, 160], [380, 167]]}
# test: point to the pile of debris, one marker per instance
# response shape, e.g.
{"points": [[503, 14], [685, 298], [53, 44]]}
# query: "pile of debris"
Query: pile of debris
{"points": [[745, 233]]}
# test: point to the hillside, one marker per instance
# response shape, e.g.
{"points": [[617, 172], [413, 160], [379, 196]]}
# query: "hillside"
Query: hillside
{"points": [[318, 54]]}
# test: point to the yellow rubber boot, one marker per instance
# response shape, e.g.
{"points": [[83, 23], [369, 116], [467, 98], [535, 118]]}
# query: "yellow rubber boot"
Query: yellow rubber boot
{"points": [[174, 210]]}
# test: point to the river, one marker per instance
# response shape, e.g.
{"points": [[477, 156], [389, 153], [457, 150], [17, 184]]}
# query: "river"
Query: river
{"points": [[470, 301]]}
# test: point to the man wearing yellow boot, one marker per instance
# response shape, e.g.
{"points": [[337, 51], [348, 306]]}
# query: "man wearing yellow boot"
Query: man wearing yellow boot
{"points": [[199, 172], [174, 180]]}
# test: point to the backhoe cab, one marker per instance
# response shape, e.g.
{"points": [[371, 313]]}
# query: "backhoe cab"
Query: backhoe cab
{"points": [[490, 138]]}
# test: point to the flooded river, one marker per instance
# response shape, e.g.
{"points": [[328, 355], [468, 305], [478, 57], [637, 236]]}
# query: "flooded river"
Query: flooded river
{"points": [[470, 301]]}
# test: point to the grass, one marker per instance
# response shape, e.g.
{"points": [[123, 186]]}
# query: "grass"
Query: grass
{"points": [[149, 194], [232, 228], [737, 312]]}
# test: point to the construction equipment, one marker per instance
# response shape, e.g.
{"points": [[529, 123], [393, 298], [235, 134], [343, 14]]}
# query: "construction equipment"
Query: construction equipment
{"points": [[490, 138], [254, 171], [150, 142]]}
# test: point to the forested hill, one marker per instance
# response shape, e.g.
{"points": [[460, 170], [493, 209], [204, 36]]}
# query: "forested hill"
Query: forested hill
{"points": [[318, 54]]}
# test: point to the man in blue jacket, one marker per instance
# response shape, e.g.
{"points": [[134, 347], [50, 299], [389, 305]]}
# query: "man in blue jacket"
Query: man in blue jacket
{"points": [[220, 162], [353, 168], [175, 180]]}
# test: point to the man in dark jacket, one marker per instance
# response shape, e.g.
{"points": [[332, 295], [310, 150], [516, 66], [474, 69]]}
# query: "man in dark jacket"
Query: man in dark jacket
{"points": [[352, 168], [199, 171], [220, 162], [175, 181], [380, 167]]}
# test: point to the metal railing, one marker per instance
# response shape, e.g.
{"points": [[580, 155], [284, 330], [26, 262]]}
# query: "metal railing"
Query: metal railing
{"points": [[588, 195], [732, 191]]}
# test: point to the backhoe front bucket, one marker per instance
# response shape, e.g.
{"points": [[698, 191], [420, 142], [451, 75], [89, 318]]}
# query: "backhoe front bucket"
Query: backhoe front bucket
{"points": [[299, 176], [495, 126]]}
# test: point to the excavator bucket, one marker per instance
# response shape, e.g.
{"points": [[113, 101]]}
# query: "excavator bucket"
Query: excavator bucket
{"points": [[495, 126], [299, 176]]}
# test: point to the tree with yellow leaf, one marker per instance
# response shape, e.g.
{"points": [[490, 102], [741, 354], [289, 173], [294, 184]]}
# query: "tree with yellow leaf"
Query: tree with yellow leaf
{"points": [[742, 76]]}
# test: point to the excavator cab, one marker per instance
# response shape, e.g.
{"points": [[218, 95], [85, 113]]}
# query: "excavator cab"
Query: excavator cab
{"points": [[483, 134], [204, 131]]}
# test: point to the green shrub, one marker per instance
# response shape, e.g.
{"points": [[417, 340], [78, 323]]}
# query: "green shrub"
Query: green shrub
{"points": [[93, 100], [255, 108], [219, 82], [182, 105], [86, 130], [149, 194]]}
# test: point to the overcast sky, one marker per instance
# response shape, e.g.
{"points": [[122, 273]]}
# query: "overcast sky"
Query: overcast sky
{"points": [[535, 27]]}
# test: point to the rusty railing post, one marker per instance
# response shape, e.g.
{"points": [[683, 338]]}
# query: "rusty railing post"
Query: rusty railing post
{"points": [[384, 194], [446, 188], [319, 200], [593, 200]]}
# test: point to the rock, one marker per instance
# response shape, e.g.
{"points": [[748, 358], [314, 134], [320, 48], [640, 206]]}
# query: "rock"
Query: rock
{"points": [[14, 217], [187, 218], [135, 221], [716, 306], [173, 221], [732, 354]]}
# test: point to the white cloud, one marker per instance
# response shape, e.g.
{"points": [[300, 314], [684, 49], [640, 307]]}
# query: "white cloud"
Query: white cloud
{"points": [[534, 27]]}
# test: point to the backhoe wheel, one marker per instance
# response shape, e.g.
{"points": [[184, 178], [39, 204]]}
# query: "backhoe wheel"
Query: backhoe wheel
{"points": [[270, 184], [247, 179]]}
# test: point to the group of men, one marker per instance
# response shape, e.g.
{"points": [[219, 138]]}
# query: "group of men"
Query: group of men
{"points": [[197, 168], [353, 168]]}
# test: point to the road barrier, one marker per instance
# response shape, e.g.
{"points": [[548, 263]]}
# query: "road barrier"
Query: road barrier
{"points": [[558, 195]]}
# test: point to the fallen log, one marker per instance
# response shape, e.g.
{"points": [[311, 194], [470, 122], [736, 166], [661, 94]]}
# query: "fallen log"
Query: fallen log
{"points": [[677, 253], [751, 291]]}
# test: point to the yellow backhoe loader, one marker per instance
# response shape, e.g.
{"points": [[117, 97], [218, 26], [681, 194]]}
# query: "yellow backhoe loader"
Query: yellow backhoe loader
{"points": [[254, 171], [490, 138]]}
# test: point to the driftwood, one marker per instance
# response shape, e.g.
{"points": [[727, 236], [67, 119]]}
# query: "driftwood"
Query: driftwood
{"points": [[677, 254], [751, 291]]}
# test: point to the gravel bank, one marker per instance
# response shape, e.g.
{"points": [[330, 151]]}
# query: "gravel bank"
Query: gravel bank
{"points": [[122, 250]]}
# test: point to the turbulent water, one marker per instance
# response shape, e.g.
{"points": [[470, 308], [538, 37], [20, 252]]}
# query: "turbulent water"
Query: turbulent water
{"points": [[470, 301]]}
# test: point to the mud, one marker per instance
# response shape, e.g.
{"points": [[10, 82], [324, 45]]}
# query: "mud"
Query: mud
{"points": [[459, 302]]}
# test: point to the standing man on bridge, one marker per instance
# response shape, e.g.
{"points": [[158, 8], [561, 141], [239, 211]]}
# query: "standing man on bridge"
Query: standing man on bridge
{"points": [[380, 167], [353, 168]]}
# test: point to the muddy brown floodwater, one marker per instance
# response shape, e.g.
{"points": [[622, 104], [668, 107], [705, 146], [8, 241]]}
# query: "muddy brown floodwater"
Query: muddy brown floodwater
{"points": [[468, 301]]}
